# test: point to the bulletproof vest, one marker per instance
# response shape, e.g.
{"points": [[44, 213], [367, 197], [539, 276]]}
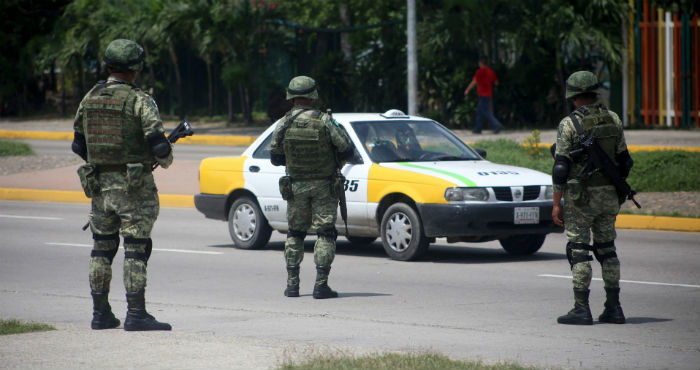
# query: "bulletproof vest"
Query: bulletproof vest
{"points": [[597, 121], [112, 131], [307, 148]]}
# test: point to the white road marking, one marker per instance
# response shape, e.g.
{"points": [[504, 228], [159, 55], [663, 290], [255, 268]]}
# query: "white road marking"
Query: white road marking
{"points": [[627, 281], [33, 217], [155, 249]]}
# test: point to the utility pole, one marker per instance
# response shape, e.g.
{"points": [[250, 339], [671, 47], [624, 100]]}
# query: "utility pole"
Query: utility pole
{"points": [[412, 60]]}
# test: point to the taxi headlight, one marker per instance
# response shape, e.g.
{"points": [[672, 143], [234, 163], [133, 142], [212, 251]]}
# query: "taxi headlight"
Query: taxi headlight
{"points": [[466, 194], [548, 192]]}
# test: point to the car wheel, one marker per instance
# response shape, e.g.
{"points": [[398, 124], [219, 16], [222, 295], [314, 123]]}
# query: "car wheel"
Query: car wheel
{"points": [[361, 240], [522, 244], [247, 225], [402, 233]]}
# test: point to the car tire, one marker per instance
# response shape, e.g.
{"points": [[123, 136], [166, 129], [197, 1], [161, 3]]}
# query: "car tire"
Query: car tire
{"points": [[247, 224], [402, 233], [523, 244], [361, 240]]}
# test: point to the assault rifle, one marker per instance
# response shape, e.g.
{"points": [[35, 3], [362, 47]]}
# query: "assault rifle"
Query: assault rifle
{"points": [[182, 130], [598, 160], [339, 183]]}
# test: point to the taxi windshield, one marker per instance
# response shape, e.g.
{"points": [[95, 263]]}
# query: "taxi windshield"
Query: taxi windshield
{"points": [[411, 141]]}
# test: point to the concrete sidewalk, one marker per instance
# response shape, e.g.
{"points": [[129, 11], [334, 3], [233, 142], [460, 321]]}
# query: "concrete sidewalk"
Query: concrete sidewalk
{"points": [[178, 185]]}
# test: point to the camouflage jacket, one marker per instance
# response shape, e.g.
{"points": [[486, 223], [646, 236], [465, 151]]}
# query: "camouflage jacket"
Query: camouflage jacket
{"points": [[144, 109], [339, 139], [568, 139]]}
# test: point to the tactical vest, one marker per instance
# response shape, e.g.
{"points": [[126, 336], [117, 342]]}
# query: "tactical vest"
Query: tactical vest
{"points": [[597, 121], [112, 131], [307, 148]]}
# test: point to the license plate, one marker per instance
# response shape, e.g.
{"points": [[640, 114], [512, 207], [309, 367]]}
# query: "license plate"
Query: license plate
{"points": [[526, 215]]}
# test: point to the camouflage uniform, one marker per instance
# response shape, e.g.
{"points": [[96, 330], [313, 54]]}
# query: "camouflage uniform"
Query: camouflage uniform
{"points": [[590, 205], [117, 126], [310, 145], [590, 209]]}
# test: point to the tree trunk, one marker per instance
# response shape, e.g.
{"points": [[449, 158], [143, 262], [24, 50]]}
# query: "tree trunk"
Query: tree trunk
{"points": [[151, 77], [211, 90], [178, 81], [63, 92], [345, 46], [245, 103], [229, 103], [81, 71], [562, 83]]}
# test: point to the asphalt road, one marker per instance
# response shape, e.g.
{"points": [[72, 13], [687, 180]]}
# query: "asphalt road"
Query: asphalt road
{"points": [[469, 301]]}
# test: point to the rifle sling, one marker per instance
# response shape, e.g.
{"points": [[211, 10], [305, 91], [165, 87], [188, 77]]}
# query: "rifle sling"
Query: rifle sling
{"points": [[601, 158], [287, 123]]}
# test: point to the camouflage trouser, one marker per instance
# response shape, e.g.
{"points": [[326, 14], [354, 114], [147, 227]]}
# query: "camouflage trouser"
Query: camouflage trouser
{"points": [[596, 216], [313, 206], [131, 210]]}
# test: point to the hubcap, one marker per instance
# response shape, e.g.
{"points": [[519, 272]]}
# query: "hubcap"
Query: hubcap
{"points": [[399, 232], [244, 222]]}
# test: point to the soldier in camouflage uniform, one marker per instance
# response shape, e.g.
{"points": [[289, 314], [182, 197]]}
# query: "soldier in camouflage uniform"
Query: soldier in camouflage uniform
{"points": [[591, 202], [119, 133], [312, 147]]}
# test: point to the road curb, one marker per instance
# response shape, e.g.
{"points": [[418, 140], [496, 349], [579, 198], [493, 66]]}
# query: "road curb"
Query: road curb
{"points": [[638, 222], [69, 196], [240, 140], [232, 140], [640, 148]]}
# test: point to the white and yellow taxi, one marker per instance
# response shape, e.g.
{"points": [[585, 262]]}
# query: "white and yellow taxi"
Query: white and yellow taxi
{"points": [[411, 181]]}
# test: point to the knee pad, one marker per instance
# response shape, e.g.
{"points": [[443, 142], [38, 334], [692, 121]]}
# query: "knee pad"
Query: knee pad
{"points": [[571, 246], [601, 257], [141, 256], [296, 234], [109, 254], [328, 232]]}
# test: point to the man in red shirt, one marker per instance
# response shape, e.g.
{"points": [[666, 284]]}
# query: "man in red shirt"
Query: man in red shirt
{"points": [[484, 78]]}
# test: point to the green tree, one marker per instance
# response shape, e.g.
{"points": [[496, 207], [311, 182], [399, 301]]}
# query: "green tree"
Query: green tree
{"points": [[24, 28]]}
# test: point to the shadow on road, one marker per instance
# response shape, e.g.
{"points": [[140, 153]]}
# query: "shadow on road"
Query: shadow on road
{"points": [[644, 320], [437, 253]]}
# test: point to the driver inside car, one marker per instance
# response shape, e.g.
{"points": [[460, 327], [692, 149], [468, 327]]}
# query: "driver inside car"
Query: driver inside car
{"points": [[407, 143]]}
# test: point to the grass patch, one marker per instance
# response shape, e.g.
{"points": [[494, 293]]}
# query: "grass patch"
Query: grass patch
{"points": [[404, 361], [665, 171], [510, 152], [8, 148], [13, 326], [658, 171]]}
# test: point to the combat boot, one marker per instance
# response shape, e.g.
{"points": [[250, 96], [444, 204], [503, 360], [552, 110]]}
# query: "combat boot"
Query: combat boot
{"points": [[292, 282], [321, 288], [102, 316], [137, 319], [613, 311], [581, 313]]}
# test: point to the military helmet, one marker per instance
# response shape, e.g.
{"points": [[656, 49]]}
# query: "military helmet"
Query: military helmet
{"points": [[581, 82], [302, 87], [125, 54]]}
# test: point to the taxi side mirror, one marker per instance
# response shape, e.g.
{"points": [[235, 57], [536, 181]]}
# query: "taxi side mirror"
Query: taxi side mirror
{"points": [[481, 152]]}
